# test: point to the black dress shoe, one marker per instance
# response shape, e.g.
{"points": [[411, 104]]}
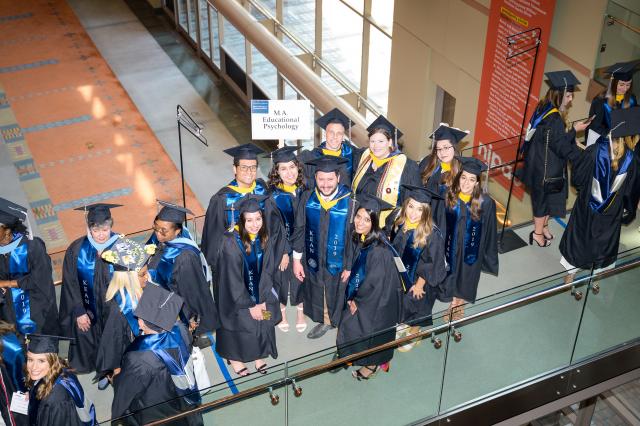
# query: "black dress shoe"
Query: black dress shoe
{"points": [[318, 331]]}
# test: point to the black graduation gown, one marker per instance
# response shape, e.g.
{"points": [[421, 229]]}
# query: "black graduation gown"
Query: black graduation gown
{"points": [[310, 170], [378, 301], [600, 124], [533, 172], [432, 267], [189, 282], [592, 237], [632, 197], [57, 408], [145, 382], [438, 206], [462, 281], [317, 285], [82, 353], [39, 282], [7, 389], [371, 179], [240, 337], [116, 337]]}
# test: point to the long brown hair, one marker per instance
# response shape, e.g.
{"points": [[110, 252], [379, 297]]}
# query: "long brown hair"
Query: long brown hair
{"points": [[619, 147], [56, 365], [274, 178], [445, 177], [554, 97], [246, 238], [612, 91], [425, 225], [476, 196]]}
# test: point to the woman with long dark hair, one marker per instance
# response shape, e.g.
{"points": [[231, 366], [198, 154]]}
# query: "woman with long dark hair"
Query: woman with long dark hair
{"points": [[373, 293], [248, 302], [286, 182]]}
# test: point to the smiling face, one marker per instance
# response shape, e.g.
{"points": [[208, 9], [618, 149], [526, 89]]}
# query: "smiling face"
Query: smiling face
{"points": [[246, 172], [327, 182], [468, 181], [288, 172], [414, 210], [445, 150], [334, 133], [100, 233], [165, 231], [37, 366], [362, 222], [623, 87], [253, 222], [380, 145]]}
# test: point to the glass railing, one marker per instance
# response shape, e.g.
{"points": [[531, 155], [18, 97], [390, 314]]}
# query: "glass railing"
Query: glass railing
{"points": [[504, 340]]}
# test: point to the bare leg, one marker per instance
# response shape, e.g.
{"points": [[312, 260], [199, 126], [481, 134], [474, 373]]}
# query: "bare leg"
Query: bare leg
{"points": [[548, 235], [538, 230]]}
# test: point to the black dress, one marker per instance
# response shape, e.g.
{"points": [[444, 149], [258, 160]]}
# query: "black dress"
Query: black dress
{"points": [[38, 281], [57, 408], [348, 151], [82, 353], [378, 300]]}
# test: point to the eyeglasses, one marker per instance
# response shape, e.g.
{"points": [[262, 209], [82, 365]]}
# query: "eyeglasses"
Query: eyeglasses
{"points": [[445, 149], [161, 231], [247, 168]]}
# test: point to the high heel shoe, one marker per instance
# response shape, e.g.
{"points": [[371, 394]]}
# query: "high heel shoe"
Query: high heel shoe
{"points": [[547, 243], [551, 235], [359, 376]]}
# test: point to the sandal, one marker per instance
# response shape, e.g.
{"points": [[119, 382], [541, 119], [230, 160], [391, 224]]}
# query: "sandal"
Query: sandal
{"points": [[550, 237], [243, 372], [301, 326], [262, 369], [284, 325], [359, 376]]}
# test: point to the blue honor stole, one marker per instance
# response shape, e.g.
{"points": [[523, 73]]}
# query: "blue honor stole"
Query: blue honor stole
{"points": [[19, 267], [472, 236], [537, 117], [84, 407], [410, 257], [607, 109], [232, 197], [252, 267], [346, 151], [86, 265], [163, 271], [358, 274], [126, 308], [605, 185], [284, 201], [13, 357], [338, 222]]}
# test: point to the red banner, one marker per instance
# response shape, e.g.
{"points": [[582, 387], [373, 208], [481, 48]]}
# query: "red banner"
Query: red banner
{"points": [[505, 82]]}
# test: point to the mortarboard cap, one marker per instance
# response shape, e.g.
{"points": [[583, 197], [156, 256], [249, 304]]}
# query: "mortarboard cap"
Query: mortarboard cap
{"points": [[372, 203], [47, 344], [99, 212], [11, 213], [562, 80], [623, 70], [327, 163], [335, 116], [420, 194], [444, 131], [126, 255], [625, 122], [250, 203], [472, 165], [172, 212], [382, 123], [159, 307], [248, 151], [282, 155]]}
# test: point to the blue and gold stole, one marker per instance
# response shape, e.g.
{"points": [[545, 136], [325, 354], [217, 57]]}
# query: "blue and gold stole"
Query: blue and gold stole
{"points": [[231, 198], [127, 307], [338, 222], [346, 151], [18, 268], [605, 184], [358, 273], [284, 201], [163, 271], [86, 265], [472, 236], [252, 267], [13, 358], [84, 407], [607, 109]]}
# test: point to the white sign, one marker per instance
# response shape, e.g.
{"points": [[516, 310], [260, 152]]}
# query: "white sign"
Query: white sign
{"points": [[281, 119]]}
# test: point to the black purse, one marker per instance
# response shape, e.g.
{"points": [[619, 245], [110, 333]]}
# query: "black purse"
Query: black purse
{"points": [[552, 185]]}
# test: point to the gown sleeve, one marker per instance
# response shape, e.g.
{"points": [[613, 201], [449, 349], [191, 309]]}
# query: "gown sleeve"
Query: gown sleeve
{"points": [[58, 409], [71, 306], [432, 264], [214, 227], [40, 272], [297, 239], [490, 258], [230, 274], [582, 170], [598, 124], [129, 385], [116, 336]]}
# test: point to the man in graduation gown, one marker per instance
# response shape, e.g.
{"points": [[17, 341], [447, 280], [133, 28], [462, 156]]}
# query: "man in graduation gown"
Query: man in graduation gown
{"points": [[156, 380], [337, 143], [85, 278], [222, 213], [322, 247], [27, 295]]}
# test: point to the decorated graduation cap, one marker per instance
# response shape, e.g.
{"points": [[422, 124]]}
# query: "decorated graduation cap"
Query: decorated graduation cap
{"points": [[248, 151], [11, 213], [623, 70], [473, 165], [99, 212], [370, 202], [625, 122], [420, 194], [562, 80], [335, 116], [453, 134], [48, 344], [282, 155], [250, 203], [327, 163], [126, 255], [158, 307], [382, 123], [172, 212]]}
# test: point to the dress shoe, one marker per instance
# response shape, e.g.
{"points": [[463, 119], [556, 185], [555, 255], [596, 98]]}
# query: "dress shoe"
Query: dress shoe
{"points": [[318, 331]]}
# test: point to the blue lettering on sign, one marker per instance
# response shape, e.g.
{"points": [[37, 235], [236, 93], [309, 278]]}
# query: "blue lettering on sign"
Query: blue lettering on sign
{"points": [[259, 106]]}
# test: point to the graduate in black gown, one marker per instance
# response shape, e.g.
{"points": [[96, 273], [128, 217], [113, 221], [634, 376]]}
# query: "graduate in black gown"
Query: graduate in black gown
{"points": [[542, 156], [420, 244], [603, 174], [286, 183], [373, 296], [222, 214], [383, 168], [322, 243], [471, 244], [55, 394], [12, 363], [177, 265], [438, 169], [26, 283], [156, 380], [248, 302], [337, 143], [85, 277]]}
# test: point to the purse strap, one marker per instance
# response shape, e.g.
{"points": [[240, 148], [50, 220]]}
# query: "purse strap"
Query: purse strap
{"points": [[546, 153]]}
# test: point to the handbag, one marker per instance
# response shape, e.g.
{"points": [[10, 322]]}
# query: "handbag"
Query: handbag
{"points": [[552, 185]]}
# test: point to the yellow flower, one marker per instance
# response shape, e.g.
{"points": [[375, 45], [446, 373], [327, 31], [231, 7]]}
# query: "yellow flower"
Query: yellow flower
{"points": [[109, 256], [150, 249], [127, 260]]}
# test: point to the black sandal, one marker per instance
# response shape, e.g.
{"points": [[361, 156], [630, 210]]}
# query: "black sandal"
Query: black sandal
{"points": [[548, 238], [262, 369], [359, 376], [243, 372]]}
